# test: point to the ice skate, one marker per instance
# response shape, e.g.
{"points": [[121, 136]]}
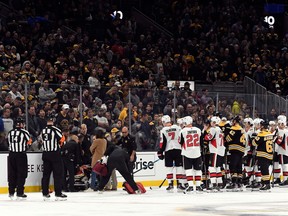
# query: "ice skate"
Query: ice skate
{"points": [[199, 189], [61, 197], [213, 189], [284, 184], [21, 196], [277, 182], [11, 196], [256, 186], [46, 197], [232, 187], [180, 188], [265, 188], [170, 188], [189, 190]]}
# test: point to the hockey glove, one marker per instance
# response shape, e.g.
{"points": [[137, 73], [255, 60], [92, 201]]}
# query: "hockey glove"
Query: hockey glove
{"points": [[160, 155]]}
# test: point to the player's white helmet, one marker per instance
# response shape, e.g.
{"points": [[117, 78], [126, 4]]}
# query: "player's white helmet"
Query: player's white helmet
{"points": [[257, 121], [187, 120], [271, 123], [166, 119], [248, 121], [215, 119], [180, 121], [282, 119]]}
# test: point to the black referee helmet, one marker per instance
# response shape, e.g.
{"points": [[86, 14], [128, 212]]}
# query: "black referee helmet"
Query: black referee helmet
{"points": [[19, 121]]}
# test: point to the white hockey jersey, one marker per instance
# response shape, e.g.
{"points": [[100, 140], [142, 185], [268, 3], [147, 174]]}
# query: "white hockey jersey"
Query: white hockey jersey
{"points": [[249, 138], [169, 138], [282, 142], [190, 141], [216, 141]]}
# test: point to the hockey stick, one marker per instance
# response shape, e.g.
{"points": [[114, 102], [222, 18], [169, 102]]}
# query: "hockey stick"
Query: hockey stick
{"points": [[160, 184], [272, 174], [143, 167], [205, 168]]}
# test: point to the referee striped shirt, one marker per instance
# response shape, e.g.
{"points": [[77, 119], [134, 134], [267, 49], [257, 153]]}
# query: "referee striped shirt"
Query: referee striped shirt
{"points": [[52, 138], [18, 140]]}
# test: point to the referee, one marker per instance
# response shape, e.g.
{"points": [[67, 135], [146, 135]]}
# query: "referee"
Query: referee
{"points": [[53, 139], [18, 140]]}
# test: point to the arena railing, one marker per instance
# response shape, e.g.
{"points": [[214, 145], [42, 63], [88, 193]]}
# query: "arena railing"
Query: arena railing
{"points": [[153, 102]]}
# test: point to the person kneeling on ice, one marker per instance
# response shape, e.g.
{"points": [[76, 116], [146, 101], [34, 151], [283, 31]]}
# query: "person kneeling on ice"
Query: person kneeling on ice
{"points": [[118, 159]]}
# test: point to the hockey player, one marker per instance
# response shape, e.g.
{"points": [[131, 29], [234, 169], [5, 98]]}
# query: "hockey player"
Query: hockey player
{"points": [[276, 166], [282, 142], [236, 144], [256, 173], [190, 141], [205, 154], [264, 153], [248, 162], [170, 147], [225, 125], [217, 152]]}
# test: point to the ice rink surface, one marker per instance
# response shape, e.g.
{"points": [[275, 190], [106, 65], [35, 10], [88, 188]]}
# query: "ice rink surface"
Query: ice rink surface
{"points": [[153, 202]]}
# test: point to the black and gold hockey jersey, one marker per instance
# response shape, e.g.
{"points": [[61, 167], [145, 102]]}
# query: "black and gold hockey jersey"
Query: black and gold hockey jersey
{"points": [[264, 143], [236, 139]]}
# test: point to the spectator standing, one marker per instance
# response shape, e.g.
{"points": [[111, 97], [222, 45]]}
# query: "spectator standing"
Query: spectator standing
{"points": [[46, 93], [97, 149]]}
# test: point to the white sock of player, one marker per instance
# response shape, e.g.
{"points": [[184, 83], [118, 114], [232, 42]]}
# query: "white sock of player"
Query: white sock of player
{"points": [[257, 174], [169, 174], [212, 174], [180, 175], [219, 175], [198, 174], [285, 171], [277, 170], [190, 177]]}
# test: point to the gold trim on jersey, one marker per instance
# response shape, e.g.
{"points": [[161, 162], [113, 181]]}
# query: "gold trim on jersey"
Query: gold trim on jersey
{"points": [[264, 155], [236, 147], [265, 177]]}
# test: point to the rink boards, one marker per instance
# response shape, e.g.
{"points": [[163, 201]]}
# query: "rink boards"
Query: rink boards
{"points": [[148, 169]]}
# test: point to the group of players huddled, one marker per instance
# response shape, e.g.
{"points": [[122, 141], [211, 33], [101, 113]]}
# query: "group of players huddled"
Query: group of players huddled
{"points": [[225, 155]]}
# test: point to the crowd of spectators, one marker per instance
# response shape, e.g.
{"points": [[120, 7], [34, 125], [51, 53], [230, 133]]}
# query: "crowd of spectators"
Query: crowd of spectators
{"points": [[105, 58]]}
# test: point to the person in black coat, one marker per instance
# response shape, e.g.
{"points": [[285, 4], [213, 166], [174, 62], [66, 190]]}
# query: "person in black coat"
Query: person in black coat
{"points": [[117, 159], [71, 159]]}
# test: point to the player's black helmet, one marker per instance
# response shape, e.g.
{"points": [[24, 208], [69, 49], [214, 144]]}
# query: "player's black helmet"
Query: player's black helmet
{"points": [[236, 118]]}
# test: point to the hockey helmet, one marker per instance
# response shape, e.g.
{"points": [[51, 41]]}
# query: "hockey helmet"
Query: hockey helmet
{"points": [[180, 121], [264, 123], [187, 120], [166, 119], [248, 121], [215, 119], [19, 121], [236, 118]]}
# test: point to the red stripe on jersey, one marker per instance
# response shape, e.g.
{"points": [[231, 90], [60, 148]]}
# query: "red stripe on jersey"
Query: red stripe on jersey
{"points": [[249, 173], [169, 176], [197, 178], [285, 173], [277, 170], [219, 175], [213, 175], [258, 174], [190, 178], [179, 176]]}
